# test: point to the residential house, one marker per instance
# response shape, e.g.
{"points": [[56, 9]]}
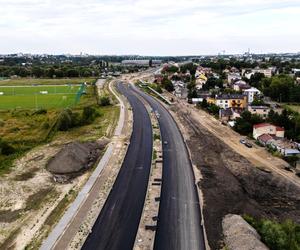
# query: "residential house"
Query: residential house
{"points": [[225, 114], [267, 128], [267, 72], [200, 81], [180, 89], [158, 76], [203, 70], [225, 101], [265, 139], [232, 77], [240, 86], [259, 110], [251, 94], [201, 96]]}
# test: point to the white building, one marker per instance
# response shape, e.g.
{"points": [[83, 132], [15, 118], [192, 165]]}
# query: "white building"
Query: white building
{"points": [[233, 77], [251, 93], [267, 128]]}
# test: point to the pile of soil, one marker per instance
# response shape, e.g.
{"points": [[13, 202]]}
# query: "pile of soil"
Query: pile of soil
{"points": [[76, 157], [233, 185], [239, 235]]}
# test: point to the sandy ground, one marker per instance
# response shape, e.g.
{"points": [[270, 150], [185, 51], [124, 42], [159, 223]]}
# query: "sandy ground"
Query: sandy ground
{"points": [[28, 178]]}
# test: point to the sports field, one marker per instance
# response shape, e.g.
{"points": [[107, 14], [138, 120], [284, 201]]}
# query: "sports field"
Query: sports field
{"points": [[35, 97]]}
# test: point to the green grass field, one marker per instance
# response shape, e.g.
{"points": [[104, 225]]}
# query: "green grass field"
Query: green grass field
{"points": [[35, 97], [44, 81], [295, 108]]}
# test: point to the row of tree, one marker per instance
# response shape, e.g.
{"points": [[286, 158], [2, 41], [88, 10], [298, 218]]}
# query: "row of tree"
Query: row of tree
{"points": [[281, 88]]}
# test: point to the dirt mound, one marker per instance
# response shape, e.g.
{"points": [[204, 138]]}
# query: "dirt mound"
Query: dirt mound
{"points": [[75, 157], [239, 235], [233, 185]]}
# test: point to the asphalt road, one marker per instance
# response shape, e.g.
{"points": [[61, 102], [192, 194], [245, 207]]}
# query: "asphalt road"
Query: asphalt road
{"points": [[179, 219], [117, 224]]}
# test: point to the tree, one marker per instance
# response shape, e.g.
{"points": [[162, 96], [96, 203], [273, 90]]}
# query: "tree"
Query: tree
{"points": [[212, 82], [255, 80], [88, 115], [204, 104], [104, 101], [257, 102], [280, 88], [167, 84]]}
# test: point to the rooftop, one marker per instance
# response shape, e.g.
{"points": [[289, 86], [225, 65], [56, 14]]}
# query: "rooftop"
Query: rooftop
{"points": [[230, 96], [258, 107], [261, 125]]}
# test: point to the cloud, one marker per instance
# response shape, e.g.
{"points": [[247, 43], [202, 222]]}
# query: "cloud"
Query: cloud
{"points": [[143, 26]]}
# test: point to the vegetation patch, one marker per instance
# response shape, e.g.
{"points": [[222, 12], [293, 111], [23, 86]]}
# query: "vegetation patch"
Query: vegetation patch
{"points": [[277, 236], [26, 176], [34, 201], [8, 216], [9, 242]]}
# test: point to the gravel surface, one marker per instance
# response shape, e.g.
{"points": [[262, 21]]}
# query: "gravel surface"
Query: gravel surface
{"points": [[239, 235]]}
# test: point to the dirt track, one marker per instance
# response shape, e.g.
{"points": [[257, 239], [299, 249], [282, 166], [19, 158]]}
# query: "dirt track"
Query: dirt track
{"points": [[232, 184]]}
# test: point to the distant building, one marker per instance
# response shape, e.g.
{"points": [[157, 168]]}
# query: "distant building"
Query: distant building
{"points": [[267, 72], [267, 128], [144, 63], [251, 93]]}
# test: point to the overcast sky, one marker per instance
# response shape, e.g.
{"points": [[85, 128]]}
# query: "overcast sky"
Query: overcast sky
{"points": [[149, 27]]}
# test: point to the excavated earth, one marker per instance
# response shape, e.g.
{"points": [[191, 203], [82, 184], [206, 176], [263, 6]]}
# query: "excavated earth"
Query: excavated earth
{"points": [[76, 157], [232, 185]]}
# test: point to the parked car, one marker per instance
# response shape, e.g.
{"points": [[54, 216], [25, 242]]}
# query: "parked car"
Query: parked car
{"points": [[243, 141], [248, 145]]}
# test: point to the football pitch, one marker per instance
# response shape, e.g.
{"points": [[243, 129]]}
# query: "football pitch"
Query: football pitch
{"points": [[36, 97]]}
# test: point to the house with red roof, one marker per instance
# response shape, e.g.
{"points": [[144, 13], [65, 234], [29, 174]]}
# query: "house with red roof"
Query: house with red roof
{"points": [[267, 128]]}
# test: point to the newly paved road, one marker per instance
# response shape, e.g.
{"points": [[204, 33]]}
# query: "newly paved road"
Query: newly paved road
{"points": [[179, 225], [118, 222]]}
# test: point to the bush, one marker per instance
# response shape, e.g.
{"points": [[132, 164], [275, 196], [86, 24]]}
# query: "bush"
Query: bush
{"points": [[156, 137], [5, 148], [46, 125], [104, 101], [40, 112], [277, 236], [88, 115], [64, 122]]}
